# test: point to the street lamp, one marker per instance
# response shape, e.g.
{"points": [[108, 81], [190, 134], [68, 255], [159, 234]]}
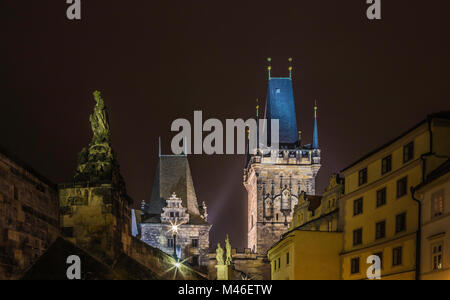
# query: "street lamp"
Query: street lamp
{"points": [[175, 232]]}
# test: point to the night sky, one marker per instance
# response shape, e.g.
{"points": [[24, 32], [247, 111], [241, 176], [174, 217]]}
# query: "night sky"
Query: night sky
{"points": [[156, 61]]}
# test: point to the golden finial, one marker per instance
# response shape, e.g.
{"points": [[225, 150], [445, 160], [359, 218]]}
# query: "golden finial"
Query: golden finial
{"points": [[269, 68]]}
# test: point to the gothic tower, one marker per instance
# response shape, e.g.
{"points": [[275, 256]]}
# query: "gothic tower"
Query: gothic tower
{"points": [[274, 179]]}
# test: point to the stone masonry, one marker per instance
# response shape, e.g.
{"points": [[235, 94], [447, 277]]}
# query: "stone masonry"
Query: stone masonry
{"points": [[28, 216]]}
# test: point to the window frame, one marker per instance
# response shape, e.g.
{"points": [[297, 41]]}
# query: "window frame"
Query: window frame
{"points": [[384, 191], [360, 207], [440, 193], [405, 192], [408, 149], [383, 222], [404, 229], [386, 168], [359, 241], [363, 175], [355, 268], [437, 254], [397, 260]]}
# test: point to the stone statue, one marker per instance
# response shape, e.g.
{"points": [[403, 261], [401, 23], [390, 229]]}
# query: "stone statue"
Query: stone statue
{"points": [[205, 211], [228, 248], [219, 255], [99, 121], [97, 163]]}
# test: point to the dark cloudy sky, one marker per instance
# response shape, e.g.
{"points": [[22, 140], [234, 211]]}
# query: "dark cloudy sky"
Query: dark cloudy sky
{"points": [[156, 61]]}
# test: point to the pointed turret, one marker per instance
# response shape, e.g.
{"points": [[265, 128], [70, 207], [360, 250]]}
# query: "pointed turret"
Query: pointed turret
{"points": [[316, 131]]}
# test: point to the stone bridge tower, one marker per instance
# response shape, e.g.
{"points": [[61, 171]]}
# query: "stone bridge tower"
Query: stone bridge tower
{"points": [[274, 179]]}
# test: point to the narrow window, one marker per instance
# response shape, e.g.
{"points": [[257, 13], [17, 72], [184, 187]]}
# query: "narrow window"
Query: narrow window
{"points": [[362, 177], [397, 256], [402, 187], [386, 165], [437, 202], [380, 230], [358, 207], [357, 237], [355, 265], [287, 259], [408, 152], [194, 243], [437, 257], [381, 197], [400, 223]]}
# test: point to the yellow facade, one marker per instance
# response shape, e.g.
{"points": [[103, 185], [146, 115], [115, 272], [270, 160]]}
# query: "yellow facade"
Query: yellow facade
{"points": [[307, 255], [367, 180], [434, 195], [310, 250]]}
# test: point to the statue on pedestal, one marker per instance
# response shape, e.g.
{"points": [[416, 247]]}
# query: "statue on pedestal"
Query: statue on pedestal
{"points": [[219, 255], [228, 248]]}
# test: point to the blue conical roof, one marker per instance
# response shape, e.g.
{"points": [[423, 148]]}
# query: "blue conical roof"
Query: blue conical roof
{"points": [[280, 105]]}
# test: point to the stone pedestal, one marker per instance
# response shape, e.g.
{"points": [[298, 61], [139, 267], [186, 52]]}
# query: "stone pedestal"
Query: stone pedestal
{"points": [[224, 272]]}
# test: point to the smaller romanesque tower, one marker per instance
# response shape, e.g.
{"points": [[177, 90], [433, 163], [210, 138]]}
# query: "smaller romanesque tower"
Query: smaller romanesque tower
{"points": [[174, 202]]}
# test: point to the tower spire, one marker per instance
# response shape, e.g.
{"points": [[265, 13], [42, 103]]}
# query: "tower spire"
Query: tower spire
{"points": [[269, 67], [316, 131], [257, 123]]}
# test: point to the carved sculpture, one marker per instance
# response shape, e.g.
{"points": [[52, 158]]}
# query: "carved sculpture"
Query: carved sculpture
{"points": [[228, 248], [219, 255]]}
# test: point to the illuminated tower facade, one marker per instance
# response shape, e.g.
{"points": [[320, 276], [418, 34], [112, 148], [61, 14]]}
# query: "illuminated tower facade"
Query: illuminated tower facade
{"points": [[275, 178]]}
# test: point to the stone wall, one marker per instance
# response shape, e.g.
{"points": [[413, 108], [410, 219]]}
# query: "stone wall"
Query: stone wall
{"points": [[96, 219], [28, 216], [157, 235]]}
